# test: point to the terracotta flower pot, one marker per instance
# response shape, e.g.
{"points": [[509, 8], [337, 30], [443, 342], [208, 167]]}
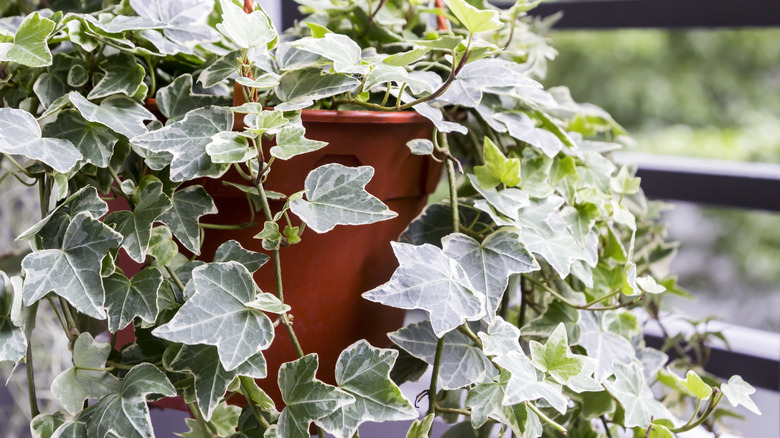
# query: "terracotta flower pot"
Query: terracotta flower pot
{"points": [[325, 275]]}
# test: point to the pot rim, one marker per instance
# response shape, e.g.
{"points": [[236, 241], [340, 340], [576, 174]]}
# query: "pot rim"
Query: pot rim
{"points": [[353, 116]]}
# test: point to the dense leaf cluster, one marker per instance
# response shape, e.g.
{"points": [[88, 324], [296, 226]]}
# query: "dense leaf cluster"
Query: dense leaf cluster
{"points": [[528, 274]]}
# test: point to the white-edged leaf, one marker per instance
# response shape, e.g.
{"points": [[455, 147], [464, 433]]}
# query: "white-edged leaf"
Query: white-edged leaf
{"points": [[30, 45], [246, 30], [136, 225], [13, 342], [291, 141], [217, 315], [341, 49], [94, 141], [122, 114], [429, 280], [230, 147], [336, 195], [128, 298], [606, 347], [525, 384], [189, 204], [630, 389], [20, 134], [123, 74], [737, 392], [186, 21], [501, 338], [177, 98], [299, 89], [233, 251]]}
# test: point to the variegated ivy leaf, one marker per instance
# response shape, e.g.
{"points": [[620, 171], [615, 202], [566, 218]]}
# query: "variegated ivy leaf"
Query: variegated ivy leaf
{"points": [[557, 246], [220, 70], [478, 77], [230, 147], [224, 420], [630, 389], [490, 263], [263, 82], [421, 428], [522, 128], [382, 74], [649, 285], [429, 280], [177, 99], [341, 49], [13, 342], [462, 362], [30, 45], [405, 58], [692, 385], [737, 392], [291, 141], [133, 297], [20, 134], [85, 200], [307, 398], [473, 19], [507, 201], [364, 372], [246, 30], [77, 384], [606, 347], [233, 251], [218, 315], [73, 270], [526, 385], [123, 74], [186, 141], [122, 23], [485, 401], [498, 168], [122, 114], [211, 378], [161, 245], [435, 222], [501, 338], [93, 140], [336, 195], [44, 425], [555, 358], [136, 225], [189, 204], [420, 146], [71, 429], [299, 89], [185, 21], [55, 83], [124, 413]]}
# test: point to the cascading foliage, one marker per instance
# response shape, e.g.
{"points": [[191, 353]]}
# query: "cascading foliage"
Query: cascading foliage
{"points": [[529, 272]]}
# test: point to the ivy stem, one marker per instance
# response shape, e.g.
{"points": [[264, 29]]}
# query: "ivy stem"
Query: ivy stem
{"points": [[227, 226], [588, 306], [73, 327], [459, 411], [59, 318], [205, 425], [435, 375], [256, 412], [466, 330], [19, 166], [34, 411], [547, 419], [716, 396], [175, 278]]}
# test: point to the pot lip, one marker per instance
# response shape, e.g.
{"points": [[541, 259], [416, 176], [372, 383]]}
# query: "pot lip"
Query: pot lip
{"points": [[353, 116]]}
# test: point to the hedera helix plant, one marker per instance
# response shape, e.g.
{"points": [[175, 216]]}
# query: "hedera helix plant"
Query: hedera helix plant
{"points": [[528, 272]]}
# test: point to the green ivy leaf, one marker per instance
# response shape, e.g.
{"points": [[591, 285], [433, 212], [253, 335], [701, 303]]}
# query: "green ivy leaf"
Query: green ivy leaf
{"points": [[270, 235], [130, 298], [490, 263], [13, 342], [421, 428], [497, 168], [20, 134], [607, 348], [122, 114], [299, 89], [462, 362], [402, 59], [125, 413], [291, 141], [186, 141], [73, 270], [136, 225], [76, 384], [307, 398], [691, 385], [186, 22], [123, 75], [30, 46], [161, 245], [507, 201], [623, 183], [341, 49], [233, 251], [364, 372], [44, 425], [217, 315], [555, 358], [189, 204], [177, 99], [473, 19], [224, 419], [93, 140], [631, 390], [336, 195], [246, 30], [737, 392], [211, 378], [485, 401], [525, 384], [429, 280]]}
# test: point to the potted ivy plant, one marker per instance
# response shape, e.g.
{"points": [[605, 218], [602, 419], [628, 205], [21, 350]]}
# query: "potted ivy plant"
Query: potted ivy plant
{"points": [[528, 271]]}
